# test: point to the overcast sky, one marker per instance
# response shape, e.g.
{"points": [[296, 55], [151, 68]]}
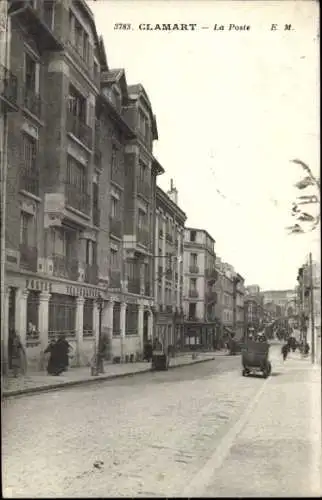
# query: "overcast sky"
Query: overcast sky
{"points": [[233, 108]]}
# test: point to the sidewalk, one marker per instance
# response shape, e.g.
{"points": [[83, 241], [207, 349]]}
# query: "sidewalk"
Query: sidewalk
{"points": [[276, 447], [40, 381]]}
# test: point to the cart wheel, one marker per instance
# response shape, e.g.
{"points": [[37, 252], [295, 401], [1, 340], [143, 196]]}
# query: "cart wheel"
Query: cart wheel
{"points": [[265, 373], [269, 368]]}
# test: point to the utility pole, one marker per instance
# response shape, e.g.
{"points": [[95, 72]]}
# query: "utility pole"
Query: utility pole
{"points": [[312, 309]]}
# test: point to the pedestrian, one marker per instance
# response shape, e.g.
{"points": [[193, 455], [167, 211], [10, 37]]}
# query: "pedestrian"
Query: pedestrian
{"points": [[63, 348], [102, 348], [18, 356], [285, 351], [53, 366]]}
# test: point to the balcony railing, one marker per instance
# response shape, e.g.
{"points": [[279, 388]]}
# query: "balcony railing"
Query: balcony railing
{"points": [[211, 297], [91, 274], [29, 181], [193, 293], [143, 236], [211, 274], [64, 267], [134, 286], [77, 199], [8, 85], [32, 102], [143, 187], [193, 269], [115, 227], [28, 258], [147, 288], [79, 129], [115, 279], [96, 216]]}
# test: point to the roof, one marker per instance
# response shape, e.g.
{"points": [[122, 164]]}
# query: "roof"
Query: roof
{"points": [[164, 197], [203, 230], [115, 76], [135, 92]]}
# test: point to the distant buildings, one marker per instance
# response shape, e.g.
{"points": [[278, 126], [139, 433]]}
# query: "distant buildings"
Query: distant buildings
{"points": [[199, 287], [168, 267], [230, 304], [284, 299]]}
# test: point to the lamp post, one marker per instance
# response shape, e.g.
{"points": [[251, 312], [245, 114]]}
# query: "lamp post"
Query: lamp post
{"points": [[99, 355]]}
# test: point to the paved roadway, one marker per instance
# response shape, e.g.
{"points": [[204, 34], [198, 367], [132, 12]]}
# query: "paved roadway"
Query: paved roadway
{"points": [[155, 434]]}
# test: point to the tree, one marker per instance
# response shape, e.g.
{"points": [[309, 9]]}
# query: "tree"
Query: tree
{"points": [[303, 217]]}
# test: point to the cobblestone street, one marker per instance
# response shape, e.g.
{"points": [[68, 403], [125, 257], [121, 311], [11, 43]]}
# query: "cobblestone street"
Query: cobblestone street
{"points": [[153, 434]]}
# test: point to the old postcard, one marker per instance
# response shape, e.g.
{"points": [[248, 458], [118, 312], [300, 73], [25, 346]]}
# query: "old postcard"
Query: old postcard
{"points": [[160, 248]]}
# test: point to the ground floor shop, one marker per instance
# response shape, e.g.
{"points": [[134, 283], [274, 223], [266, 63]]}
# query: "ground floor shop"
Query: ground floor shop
{"points": [[40, 309], [200, 335], [169, 329]]}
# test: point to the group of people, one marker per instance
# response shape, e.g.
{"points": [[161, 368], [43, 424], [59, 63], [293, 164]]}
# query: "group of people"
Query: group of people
{"points": [[58, 350], [292, 344]]}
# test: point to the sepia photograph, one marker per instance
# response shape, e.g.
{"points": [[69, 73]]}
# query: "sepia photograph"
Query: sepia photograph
{"points": [[160, 249]]}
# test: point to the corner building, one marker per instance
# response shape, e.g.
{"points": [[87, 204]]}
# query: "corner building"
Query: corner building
{"points": [[80, 188]]}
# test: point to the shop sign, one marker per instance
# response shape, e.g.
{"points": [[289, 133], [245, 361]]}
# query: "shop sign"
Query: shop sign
{"points": [[77, 291], [39, 285]]}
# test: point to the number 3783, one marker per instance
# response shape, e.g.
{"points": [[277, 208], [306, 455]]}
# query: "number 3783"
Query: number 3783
{"points": [[122, 26]]}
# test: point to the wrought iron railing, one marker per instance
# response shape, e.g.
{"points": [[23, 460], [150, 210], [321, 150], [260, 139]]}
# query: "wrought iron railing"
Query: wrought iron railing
{"points": [[8, 85], [134, 286], [91, 274], [79, 129], [28, 257], [64, 267], [32, 101], [193, 269], [76, 198], [115, 227], [29, 181]]}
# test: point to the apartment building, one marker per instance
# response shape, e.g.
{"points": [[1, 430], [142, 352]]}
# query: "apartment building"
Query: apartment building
{"points": [[254, 308], [230, 291], [199, 287], [168, 268], [80, 188]]}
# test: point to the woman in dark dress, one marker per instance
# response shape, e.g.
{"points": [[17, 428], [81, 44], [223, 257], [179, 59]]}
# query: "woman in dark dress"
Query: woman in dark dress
{"points": [[53, 367], [63, 347]]}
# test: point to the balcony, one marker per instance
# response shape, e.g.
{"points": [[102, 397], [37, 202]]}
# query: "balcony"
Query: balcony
{"points": [[96, 216], [64, 267], [29, 14], [77, 199], [193, 269], [28, 257], [8, 89], [211, 297], [193, 293], [147, 288], [143, 236], [211, 274], [134, 286], [115, 279], [117, 176], [79, 129], [29, 181], [144, 188], [115, 227], [91, 274], [32, 102]]}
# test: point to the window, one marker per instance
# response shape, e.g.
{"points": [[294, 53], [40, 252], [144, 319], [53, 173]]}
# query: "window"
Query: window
{"points": [[114, 207], [63, 242], [31, 73], [96, 70], [132, 270], [49, 13], [95, 195], [29, 153], [192, 310], [76, 174], [78, 37], [114, 259], [27, 229], [77, 104], [143, 170], [192, 235], [193, 284], [193, 259], [141, 219]]}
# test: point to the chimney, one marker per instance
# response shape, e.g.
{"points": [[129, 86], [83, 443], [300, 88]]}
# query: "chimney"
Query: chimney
{"points": [[173, 193]]}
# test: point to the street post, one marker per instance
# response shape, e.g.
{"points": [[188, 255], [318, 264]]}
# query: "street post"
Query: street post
{"points": [[98, 355]]}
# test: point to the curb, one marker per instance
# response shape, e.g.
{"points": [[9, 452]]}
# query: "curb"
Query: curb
{"points": [[73, 383]]}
